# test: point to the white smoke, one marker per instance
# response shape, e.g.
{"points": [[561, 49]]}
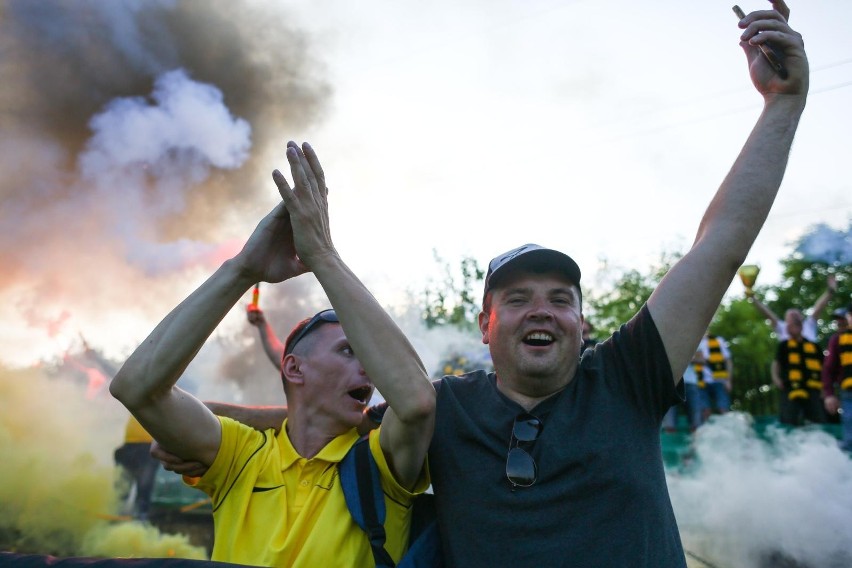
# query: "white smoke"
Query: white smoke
{"points": [[825, 244], [188, 122], [134, 143], [145, 157], [746, 497]]}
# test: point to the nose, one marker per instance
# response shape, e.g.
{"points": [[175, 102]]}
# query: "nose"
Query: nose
{"points": [[540, 310]]}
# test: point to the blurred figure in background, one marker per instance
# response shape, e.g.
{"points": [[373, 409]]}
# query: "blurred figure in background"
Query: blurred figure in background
{"points": [[796, 372], [138, 469], [719, 373], [696, 400], [588, 340], [837, 375], [808, 323], [272, 346]]}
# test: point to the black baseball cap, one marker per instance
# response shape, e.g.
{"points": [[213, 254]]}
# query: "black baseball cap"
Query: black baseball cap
{"points": [[530, 257]]}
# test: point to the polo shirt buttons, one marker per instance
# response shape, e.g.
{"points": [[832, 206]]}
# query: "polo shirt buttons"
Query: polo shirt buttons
{"points": [[304, 483]]}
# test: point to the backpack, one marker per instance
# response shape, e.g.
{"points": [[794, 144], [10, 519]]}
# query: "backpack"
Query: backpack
{"points": [[359, 478]]}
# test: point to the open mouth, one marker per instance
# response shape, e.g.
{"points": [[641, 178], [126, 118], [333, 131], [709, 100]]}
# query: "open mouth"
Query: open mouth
{"points": [[361, 394], [538, 339]]}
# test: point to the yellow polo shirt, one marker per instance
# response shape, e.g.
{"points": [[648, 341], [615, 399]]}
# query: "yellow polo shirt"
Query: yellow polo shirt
{"points": [[272, 507], [134, 433]]}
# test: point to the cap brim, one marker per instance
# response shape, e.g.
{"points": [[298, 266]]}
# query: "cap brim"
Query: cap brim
{"points": [[542, 260]]}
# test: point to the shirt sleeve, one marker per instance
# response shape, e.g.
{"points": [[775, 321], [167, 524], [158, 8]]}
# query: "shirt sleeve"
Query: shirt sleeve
{"points": [[639, 364], [240, 443], [809, 329], [390, 485]]}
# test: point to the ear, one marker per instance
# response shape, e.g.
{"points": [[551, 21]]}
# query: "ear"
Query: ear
{"points": [[291, 370], [484, 320]]}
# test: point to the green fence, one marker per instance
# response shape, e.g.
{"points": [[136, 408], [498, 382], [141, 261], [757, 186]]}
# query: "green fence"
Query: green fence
{"points": [[753, 391]]}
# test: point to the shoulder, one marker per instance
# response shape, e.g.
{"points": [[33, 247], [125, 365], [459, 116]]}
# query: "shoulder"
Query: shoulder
{"points": [[237, 434], [635, 350], [639, 332], [468, 382], [473, 394], [242, 448]]}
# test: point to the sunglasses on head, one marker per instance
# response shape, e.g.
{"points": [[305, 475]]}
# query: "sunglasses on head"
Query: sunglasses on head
{"points": [[325, 316], [521, 469]]}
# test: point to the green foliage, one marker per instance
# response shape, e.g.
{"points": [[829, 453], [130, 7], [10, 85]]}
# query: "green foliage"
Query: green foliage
{"points": [[818, 253], [752, 348], [745, 330], [607, 310], [455, 299]]}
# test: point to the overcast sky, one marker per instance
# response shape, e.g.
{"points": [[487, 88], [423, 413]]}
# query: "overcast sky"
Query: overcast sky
{"points": [[467, 127]]}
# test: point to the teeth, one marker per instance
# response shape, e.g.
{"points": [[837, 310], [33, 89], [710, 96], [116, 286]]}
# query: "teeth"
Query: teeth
{"points": [[540, 336]]}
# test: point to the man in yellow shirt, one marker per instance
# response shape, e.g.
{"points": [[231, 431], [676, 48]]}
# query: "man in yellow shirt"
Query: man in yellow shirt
{"points": [[137, 466], [277, 499]]}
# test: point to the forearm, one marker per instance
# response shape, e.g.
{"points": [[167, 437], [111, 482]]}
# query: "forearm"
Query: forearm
{"points": [[776, 375], [740, 207], [767, 313], [821, 303], [156, 365], [272, 346], [392, 364], [726, 233], [385, 353]]}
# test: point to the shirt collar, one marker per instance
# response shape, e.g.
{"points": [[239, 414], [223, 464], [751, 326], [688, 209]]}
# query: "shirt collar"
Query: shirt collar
{"points": [[332, 452]]}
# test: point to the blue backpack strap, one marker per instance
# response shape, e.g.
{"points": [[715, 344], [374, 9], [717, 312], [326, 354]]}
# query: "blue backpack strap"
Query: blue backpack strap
{"points": [[425, 548], [359, 478]]}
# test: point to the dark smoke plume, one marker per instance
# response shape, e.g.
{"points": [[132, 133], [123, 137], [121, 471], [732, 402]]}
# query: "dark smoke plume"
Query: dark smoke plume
{"points": [[132, 138]]}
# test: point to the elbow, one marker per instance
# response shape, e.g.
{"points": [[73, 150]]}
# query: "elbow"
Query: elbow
{"points": [[420, 408], [126, 388], [729, 249], [120, 389]]}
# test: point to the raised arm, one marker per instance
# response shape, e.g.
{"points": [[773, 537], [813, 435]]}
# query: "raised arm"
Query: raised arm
{"points": [[684, 302], [383, 350], [767, 313], [825, 297], [272, 346], [146, 382]]}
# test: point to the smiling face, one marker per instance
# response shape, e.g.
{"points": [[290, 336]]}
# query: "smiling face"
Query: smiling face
{"points": [[326, 379], [533, 327]]}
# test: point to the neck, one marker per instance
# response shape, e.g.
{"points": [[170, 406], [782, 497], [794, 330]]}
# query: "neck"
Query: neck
{"points": [[310, 434], [528, 392]]}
